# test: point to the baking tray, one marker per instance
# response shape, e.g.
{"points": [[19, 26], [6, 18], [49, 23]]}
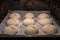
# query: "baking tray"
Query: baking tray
{"points": [[22, 27]]}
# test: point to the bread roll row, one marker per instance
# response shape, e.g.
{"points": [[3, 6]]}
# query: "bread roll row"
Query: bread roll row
{"points": [[12, 22], [30, 24], [47, 24]]}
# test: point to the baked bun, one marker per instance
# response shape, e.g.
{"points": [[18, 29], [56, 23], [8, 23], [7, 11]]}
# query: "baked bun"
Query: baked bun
{"points": [[28, 22], [10, 30], [49, 29], [12, 22], [43, 15], [15, 15], [29, 15], [31, 30], [45, 21]]}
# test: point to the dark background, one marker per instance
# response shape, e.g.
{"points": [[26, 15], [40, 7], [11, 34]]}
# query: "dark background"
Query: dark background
{"points": [[52, 5]]}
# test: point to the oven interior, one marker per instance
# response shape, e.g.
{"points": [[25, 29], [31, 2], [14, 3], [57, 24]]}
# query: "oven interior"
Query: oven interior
{"points": [[30, 5]]}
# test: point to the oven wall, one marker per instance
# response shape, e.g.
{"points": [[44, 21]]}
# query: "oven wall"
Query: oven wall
{"points": [[55, 9]]}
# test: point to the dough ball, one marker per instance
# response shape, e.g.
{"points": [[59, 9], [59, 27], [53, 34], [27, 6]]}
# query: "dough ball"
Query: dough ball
{"points": [[10, 30], [49, 29], [14, 15], [43, 15], [45, 21], [12, 22], [28, 22], [31, 30], [29, 15]]}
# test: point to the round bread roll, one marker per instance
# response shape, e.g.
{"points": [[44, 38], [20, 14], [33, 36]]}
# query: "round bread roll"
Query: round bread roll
{"points": [[12, 22], [29, 15], [28, 22], [31, 30], [49, 29], [10, 30], [43, 15], [45, 21], [14, 15]]}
